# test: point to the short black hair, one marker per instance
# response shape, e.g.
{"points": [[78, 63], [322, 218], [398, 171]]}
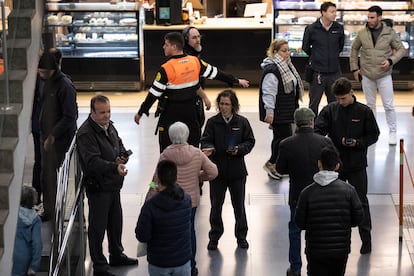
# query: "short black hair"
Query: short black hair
{"points": [[325, 6], [341, 86], [175, 38], [330, 158], [167, 173], [98, 98], [229, 93], [376, 9], [28, 197]]}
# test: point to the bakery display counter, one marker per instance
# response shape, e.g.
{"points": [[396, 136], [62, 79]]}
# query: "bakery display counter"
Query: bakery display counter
{"points": [[291, 19], [235, 45], [99, 43]]}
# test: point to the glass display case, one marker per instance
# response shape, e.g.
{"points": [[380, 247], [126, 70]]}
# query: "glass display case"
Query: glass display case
{"points": [[99, 43], [291, 18]]}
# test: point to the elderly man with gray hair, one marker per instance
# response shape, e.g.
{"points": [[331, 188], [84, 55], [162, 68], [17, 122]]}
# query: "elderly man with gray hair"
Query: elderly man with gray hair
{"points": [[298, 157], [193, 166]]}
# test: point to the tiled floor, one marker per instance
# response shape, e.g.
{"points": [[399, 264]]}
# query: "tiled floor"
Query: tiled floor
{"points": [[266, 199]]}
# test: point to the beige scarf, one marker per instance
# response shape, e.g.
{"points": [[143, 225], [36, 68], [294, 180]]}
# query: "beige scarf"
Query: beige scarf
{"points": [[288, 73]]}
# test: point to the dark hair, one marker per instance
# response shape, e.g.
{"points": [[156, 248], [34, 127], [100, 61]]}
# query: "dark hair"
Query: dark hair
{"points": [[186, 32], [229, 93], [389, 22], [48, 61], [376, 9], [325, 6], [28, 197], [329, 158], [167, 173], [175, 38], [341, 86], [98, 98], [57, 53]]}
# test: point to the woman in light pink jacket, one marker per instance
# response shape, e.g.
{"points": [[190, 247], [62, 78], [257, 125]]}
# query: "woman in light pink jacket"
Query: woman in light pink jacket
{"points": [[193, 166]]}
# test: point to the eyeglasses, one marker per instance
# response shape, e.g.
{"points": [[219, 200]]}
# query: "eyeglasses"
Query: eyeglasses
{"points": [[196, 37], [225, 104]]}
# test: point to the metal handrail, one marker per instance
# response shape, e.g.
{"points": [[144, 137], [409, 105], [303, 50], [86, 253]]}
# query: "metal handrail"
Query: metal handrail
{"points": [[5, 57], [61, 235]]}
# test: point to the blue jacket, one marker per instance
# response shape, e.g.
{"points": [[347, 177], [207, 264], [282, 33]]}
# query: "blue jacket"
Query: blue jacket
{"points": [[28, 244], [164, 224]]}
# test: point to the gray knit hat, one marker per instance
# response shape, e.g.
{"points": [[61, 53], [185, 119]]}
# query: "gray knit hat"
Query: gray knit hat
{"points": [[303, 115]]}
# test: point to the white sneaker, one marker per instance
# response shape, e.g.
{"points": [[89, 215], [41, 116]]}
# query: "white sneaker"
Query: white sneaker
{"points": [[392, 140]]}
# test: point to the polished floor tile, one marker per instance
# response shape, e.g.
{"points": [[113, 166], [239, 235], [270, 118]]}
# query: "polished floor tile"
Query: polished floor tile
{"points": [[266, 204]]}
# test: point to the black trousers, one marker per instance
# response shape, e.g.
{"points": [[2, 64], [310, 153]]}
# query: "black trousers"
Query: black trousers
{"points": [[105, 214], [51, 161], [318, 86], [326, 265], [37, 166], [359, 180], [280, 132], [218, 188]]}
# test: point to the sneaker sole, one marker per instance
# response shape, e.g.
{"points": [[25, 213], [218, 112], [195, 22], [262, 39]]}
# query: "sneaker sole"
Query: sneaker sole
{"points": [[271, 174]]}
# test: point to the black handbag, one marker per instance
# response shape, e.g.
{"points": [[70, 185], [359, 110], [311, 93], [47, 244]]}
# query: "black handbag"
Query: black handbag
{"points": [[309, 73]]}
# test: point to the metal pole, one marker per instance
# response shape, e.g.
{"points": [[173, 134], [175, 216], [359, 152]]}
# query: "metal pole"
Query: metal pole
{"points": [[6, 106], [401, 206]]}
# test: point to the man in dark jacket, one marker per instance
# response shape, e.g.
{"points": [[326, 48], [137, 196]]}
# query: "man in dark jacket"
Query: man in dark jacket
{"points": [[192, 47], [352, 128], [57, 125], [227, 138], [37, 106], [327, 209], [164, 224], [298, 157], [103, 157], [323, 41]]}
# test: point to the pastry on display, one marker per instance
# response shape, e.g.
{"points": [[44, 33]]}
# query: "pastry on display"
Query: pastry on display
{"points": [[285, 18], [66, 19], [306, 19], [52, 19], [128, 21]]}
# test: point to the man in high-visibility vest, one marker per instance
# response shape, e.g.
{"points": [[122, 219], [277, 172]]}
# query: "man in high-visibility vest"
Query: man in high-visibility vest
{"points": [[1, 66], [176, 85]]}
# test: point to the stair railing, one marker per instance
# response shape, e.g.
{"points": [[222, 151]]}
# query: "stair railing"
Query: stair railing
{"points": [[6, 106], [68, 242]]}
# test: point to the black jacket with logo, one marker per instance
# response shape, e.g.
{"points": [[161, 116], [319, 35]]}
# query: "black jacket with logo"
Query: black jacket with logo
{"points": [[353, 121], [222, 136], [323, 47]]}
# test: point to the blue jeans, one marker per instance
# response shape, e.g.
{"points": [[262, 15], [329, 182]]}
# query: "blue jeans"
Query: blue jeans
{"points": [[295, 258], [182, 270]]}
